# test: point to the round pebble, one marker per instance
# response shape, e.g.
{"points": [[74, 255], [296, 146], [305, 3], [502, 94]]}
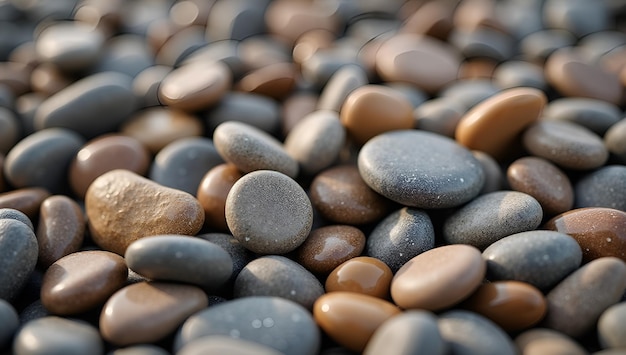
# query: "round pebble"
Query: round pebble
{"points": [[213, 191], [327, 247], [611, 327], [469, 333], [9, 323], [362, 274], [72, 46], [61, 229], [26, 200], [538, 341], [340, 85], [596, 115], [222, 344], [18, 256], [10, 213], [604, 187], [58, 336]]}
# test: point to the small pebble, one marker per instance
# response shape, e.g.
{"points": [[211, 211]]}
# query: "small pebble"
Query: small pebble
{"points": [[578, 17], [615, 140], [9, 323], [604, 187], [253, 109], [72, 46], [213, 191], [18, 257], [470, 92], [276, 80], [466, 332], [611, 327], [61, 229], [595, 115], [539, 341], [340, 85], [146, 84], [494, 178], [10, 213], [362, 274], [223, 344], [56, 335], [26, 200], [239, 255], [519, 73], [327, 247], [440, 115]]}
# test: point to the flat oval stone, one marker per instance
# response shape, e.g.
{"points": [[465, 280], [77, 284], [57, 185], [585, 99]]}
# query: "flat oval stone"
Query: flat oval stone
{"points": [[61, 229], [350, 318], [72, 46], [604, 187], [340, 85], [18, 256], [362, 274], [9, 323], [26, 200], [540, 258], [278, 276], [615, 140], [538, 46], [122, 207], [82, 281], [327, 247], [411, 332], [147, 312], [420, 169], [213, 191], [596, 115], [469, 333], [512, 305], [439, 115], [251, 149], [58, 335], [268, 212], [239, 255], [538, 341], [253, 109], [223, 344], [491, 217], [430, 281], [401, 236], [576, 303], [611, 327], [181, 259], [276, 80], [492, 125], [11, 213], [599, 231], [271, 321]]}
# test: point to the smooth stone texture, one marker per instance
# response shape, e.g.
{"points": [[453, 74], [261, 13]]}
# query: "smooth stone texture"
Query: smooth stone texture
{"points": [[253, 109], [72, 46], [540, 258], [494, 177], [236, 19], [61, 229], [26, 200], [82, 281], [278, 276], [514, 73], [399, 237], [540, 44], [9, 323], [127, 54], [599, 231], [122, 207], [351, 318], [577, 302], [539, 341], [239, 255], [271, 321], [146, 84], [11, 213], [420, 169], [340, 85], [290, 20], [18, 257], [615, 140], [222, 344], [42, 159], [429, 281], [147, 312], [362, 274], [327, 247], [180, 258], [147, 349], [66, 109], [469, 333], [295, 108], [470, 92], [10, 130], [611, 327], [275, 80], [491, 217], [579, 17], [251, 149], [483, 42], [56, 335], [412, 332], [439, 115], [268, 212], [605, 187], [596, 115], [213, 191]]}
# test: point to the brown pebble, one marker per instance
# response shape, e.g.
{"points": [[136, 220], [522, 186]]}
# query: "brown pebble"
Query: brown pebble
{"points": [[61, 229], [275, 80], [327, 247], [362, 274], [27, 200], [480, 68], [290, 20], [213, 191], [540, 341]]}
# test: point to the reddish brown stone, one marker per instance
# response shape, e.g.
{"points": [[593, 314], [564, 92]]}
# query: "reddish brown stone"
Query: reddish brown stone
{"points": [[27, 200], [327, 247], [363, 274]]}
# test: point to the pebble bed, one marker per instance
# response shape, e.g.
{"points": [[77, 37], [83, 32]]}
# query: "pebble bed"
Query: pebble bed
{"points": [[312, 177]]}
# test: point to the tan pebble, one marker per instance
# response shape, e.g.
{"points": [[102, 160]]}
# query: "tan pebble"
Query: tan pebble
{"points": [[362, 274], [540, 341], [433, 18], [275, 80], [290, 19]]}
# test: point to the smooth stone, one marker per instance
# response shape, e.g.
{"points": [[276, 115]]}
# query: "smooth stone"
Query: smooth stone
{"points": [[61, 229], [253, 109], [147, 349], [374, 109], [579, 17], [127, 54], [615, 140], [470, 92], [26, 200], [566, 144], [9, 323], [16, 78], [122, 207], [492, 125], [479, 69], [183, 163], [3, 184], [432, 18], [599, 231], [611, 327], [239, 255], [361, 274], [104, 154], [439, 115], [600, 43], [327, 247], [420, 169], [11, 213], [278, 276], [494, 178], [412, 332], [236, 19], [290, 20], [429, 281], [350, 318], [180, 258], [595, 115], [295, 108], [251, 149], [276, 80], [225, 51], [491, 217], [540, 258], [48, 79], [316, 141], [271, 321], [223, 344], [146, 312], [42, 159], [539, 341], [517, 73], [539, 45], [325, 62], [66, 109], [469, 333], [340, 85], [401, 236], [576, 303], [340, 195], [26, 106], [72, 46], [10, 130], [56, 335], [146, 84], [268, 212], [18, 257], [213, 191], [544, 181], [604, 187], [483, 42], [82, 281]]}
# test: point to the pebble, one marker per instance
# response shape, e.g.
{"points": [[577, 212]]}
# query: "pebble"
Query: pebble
{"points": [[275, 80], [429, 281], [340, 85], [9, 323], [611, 327], [122, 207], [466, 332], [604, 187], [82, 281], [222, 344], [9, 130], [399, 237], [483, 42], [10, 213], [470, 92], [139, 350], [538, 341], [239, 255], [252, 109], [432, 18], [540, 258], [440, 115], [47, 79], [295, 108], [26, 200], [128, 319], [72, 46], [213, 191], [270, 321], [127, 54], [61, 229], [494, 178], [615, 140], [518, 73], [578, 17], [599, 231], [361, 274], [420, 169], [539, 45], [268, 212], [351, 318], [56, 335], [146, 84], [491, 217], [327, 247], [18, 257], [593, 114]]}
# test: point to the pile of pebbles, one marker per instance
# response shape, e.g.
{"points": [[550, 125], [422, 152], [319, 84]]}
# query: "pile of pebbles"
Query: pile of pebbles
{"points": [[312, 177]]}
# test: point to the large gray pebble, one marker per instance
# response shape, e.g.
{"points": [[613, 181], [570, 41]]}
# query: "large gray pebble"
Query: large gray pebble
{"points": [[468, 333], [56, 335], [18, 256], [9, 322], [596, 115], [605, 187]]}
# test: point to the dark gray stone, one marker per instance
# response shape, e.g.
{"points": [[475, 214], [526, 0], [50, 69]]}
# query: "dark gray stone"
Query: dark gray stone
{"points": [[238, 253], [9, 322], [605, 187], [468, 333], [126, 54], [596, 115], [18, 256], [56, 335], [253, 109]]}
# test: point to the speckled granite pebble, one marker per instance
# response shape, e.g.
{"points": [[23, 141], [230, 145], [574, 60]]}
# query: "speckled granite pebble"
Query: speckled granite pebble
{"points": [[58, 335], [18, 256], [469, 333], [605, 187]]}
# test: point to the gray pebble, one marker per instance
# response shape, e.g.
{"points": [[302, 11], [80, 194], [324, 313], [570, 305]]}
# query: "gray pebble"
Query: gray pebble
{"points": [[225, 51], [470, 92], [539, 45], [146, 84], [483, 42], [127, 54], [56, 335], [72, 46], [579, 17], [320, 67], [10, 213], [517, 73], [253, 109], [236, 20], [596, 115], [18, 256], [9, 322], [605, 187], [440, 115], [222, 344], [238, 254], [468, 333], [342, 83], [494, 178], [33, 311], [147, 349], [10, 130], [612, 327], [615, 140], [597, 44]]}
